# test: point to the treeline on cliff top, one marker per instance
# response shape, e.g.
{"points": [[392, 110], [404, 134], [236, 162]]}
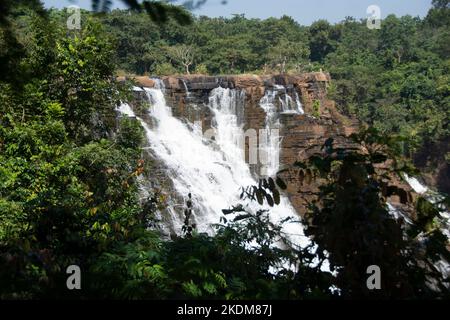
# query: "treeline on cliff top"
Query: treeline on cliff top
{"points": [[69, 192]]}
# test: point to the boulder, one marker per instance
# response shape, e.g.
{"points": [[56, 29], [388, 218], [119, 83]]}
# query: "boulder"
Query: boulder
{"points": [[144, 81], [245, 81]]}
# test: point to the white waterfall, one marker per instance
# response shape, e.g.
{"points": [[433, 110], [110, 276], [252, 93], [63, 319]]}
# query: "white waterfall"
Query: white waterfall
{"points": [[270, 143], [299, 104], [188, 94], [415, 184], [137, 89], [213, 172], [434, 198], [287, 103], [442, 221]]}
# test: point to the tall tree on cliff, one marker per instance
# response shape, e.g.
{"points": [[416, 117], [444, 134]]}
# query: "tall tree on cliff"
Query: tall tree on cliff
{"points": [[287, 54], [182, 54]]}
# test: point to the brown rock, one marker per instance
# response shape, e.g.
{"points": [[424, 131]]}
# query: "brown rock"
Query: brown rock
{"points": [[246, 81], [144, 82], [121, 79], [172, 83], [321, 76], [302, 135]]}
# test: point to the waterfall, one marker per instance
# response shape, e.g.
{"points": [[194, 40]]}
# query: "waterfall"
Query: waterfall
{"points": [[433, 197], [299, 104], [415, 184], [212, 171], [270, 143], [442, 221], [286, 102], [188, 94]]}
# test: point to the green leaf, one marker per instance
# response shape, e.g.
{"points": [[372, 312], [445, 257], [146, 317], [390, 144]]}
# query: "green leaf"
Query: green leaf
{"points": [[281, 183], [269, 200]]}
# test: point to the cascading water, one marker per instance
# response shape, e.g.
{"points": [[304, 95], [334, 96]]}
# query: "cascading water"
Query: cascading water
{"points": [[270, 141], [434, 198], [299, 104], [287, 104], [188, 94], [442, 222], [415, 184], [213, 172]]}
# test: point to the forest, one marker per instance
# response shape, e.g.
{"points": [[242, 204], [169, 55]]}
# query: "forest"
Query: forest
{"points": [[69, 169]]}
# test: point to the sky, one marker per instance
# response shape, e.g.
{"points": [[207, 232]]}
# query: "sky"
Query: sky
{"points": [[303, 11]]}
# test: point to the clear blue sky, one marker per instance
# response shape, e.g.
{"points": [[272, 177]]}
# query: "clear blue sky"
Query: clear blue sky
{"points": [[304, 11]]}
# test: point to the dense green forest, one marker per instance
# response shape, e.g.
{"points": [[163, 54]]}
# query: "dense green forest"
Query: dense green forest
{"points": [[69, 168]]}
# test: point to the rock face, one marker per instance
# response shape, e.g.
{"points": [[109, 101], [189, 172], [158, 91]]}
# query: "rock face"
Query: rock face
{"points": [[433, 165], [302, 134]]}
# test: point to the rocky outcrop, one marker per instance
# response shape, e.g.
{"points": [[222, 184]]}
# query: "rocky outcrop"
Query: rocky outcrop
{"points": [[302, 134], [434, 166]]}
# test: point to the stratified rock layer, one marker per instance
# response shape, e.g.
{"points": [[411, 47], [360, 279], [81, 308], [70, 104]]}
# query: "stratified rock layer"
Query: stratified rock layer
{"points": [[302, 134]]}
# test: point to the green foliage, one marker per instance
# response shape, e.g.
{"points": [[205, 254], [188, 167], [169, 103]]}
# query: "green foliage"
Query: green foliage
{"points": [[267, 190], [222, 45], [130, 134], [323, 38], [66, 195], [201, 69], [84, 81], [165, 69], [286, 54], [393, 78], [316, 108], [351, 222]]}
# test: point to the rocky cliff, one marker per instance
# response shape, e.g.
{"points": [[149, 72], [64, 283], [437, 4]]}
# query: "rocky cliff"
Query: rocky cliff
{"points": [[302, 134]]}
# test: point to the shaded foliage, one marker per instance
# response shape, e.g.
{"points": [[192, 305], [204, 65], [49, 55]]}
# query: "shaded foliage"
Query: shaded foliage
{"points": [[353, 224]]}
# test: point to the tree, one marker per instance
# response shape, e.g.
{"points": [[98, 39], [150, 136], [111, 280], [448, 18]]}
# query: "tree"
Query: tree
{"points": [[69, 168], [397, 39], [439, 14], [182, 54], [64, 191], [323, 39], [287, 53], [440, 4]]}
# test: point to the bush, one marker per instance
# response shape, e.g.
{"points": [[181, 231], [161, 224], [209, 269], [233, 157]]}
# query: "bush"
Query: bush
{"points": [[165, 69]]}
